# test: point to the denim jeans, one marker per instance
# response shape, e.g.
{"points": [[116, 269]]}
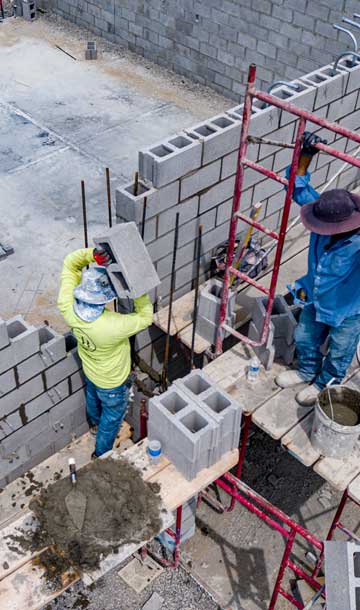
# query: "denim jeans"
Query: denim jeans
{"points": [[106, 409], [310, 335]]}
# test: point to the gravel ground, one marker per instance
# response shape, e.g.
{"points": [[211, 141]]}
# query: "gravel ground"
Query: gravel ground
{"points": [[179, 591]]}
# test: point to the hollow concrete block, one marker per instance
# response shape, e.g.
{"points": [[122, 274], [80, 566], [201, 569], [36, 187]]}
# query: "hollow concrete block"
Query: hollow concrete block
{"points": [[66, 367], [342, 574], [210, 300], [219, 135], [130, 206], [168, 160], [52, 346], [265, 354], [208, 329], [7, 382], [132, 273], [13, 400], [24, 339], [4, 337]]}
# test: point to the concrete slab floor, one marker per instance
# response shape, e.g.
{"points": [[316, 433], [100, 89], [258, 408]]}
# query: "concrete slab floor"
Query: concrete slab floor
{"points": [[63, 120]]}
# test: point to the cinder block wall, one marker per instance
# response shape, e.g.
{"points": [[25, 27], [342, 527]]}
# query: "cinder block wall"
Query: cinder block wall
{"points": [[213, 41], [42, 400], [193, 173]]}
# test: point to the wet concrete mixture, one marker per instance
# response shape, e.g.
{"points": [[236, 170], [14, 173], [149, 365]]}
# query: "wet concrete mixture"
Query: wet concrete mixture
{"points": [[120, 508]]}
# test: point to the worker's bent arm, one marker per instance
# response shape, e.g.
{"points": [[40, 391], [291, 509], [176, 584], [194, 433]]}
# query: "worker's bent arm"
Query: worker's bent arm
{"points": [[303, 191], [126, 325], [71, 276]]}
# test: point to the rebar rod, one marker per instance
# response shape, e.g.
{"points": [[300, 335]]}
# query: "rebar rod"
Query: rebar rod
{"points": [[172, 290], [197, 281]]}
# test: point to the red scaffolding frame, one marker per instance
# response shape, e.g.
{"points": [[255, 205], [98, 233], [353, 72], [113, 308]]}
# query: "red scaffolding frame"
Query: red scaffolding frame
{"points": [[236, 215], [230, 484]]}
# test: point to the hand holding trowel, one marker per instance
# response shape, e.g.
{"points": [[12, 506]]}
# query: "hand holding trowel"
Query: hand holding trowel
{"points": [[75, 500]]}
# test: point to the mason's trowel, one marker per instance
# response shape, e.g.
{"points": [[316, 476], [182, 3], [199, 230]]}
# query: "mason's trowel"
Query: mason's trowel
{"points": [[75, 501]]}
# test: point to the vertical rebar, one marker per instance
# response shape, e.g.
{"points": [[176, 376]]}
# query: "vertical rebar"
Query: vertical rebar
{"points": [[83, 199], [136, 183], [172, 289], [108, 189], [143, 219], [197, 279]]}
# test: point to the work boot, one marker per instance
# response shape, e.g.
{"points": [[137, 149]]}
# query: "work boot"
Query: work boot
{"points": [[287, 379], [307, 396]]}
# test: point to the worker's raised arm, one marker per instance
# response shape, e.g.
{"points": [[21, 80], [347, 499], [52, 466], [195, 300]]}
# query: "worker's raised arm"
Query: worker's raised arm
{"points": [[303, 191], [127, 325], [71, 276]]}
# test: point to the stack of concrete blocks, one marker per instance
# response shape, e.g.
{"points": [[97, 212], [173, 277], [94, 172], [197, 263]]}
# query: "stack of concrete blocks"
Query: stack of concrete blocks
{"points": [[29, 10], [193, 173], [196, 423], [91, 51], [280, 341], [42, 400], [188, 525], [342, 575], [209, 309], [132, 274]]}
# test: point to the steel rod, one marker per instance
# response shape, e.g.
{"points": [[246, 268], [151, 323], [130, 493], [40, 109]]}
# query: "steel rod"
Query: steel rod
{"points": [[235, 206], [143, 218], [197, 282], [108, 190], [172, 290], [83, 201], [136, 183]]}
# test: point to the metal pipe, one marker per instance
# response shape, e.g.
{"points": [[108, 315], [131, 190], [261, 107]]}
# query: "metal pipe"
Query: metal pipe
{"points": [[108, 190], [197, 282], [235, 205], [83, 200], [172, 289], [346, 31], [351, 22], [143, 219], [278, 83], [346, 54]]}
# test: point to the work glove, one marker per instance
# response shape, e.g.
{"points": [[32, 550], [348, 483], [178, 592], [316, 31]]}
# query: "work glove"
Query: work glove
{"points": [[102, 257], [308, 141]]}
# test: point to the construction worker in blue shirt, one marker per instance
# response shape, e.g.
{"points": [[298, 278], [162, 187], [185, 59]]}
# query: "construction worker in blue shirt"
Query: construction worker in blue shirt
{"points": [[330, 290]]}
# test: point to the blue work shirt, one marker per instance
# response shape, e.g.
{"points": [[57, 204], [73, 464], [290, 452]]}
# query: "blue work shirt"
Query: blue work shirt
{"points": [[332, 283]]}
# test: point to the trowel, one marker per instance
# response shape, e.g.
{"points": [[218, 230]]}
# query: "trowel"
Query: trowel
{"points": [[75, 500]]}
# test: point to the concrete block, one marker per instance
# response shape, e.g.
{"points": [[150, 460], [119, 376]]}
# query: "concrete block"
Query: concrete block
{"points": [[25, 393], [187, 209], [7, 382], [165, 162], [282, 320], [219, 136], [29, 368], [29, 9], [353, 83], [52, 345], [283, 350], [77, 381], [178, 420], [217, 194], [210, 300], [199, 180], [66, 367], [4, 337], [23, 436], [342, 574], [130, 206], [208, 329], [342, 107], [265, 355], [133, 273], [328, 87], [46, 401], [91, 51], [68, 414], [24, 339]]}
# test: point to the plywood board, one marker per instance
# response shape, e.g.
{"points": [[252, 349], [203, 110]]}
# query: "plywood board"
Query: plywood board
{"points": [[298, 442], [232, 364], [354, 489], [176, 490], [252, 395], [182, 311], [280, 413], [12, 556], [200, 344], [338, 473]]}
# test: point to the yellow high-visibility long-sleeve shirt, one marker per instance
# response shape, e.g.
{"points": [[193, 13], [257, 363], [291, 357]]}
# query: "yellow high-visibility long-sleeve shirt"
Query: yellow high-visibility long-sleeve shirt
{"points": [[103, 344]]}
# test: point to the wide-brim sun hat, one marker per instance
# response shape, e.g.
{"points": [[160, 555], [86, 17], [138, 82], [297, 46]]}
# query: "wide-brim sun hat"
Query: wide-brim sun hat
{"points": [[95, 287], [336, 211], [87, 312]]}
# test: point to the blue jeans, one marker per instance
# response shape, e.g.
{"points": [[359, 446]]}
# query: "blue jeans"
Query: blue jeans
{"points": [[310, 335], [106, 409]]}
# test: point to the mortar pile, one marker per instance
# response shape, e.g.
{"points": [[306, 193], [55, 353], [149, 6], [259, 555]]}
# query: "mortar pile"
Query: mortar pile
{"points": [[121, 508]]}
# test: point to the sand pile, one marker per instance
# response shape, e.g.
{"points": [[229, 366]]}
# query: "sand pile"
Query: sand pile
{"points": [[121, 508]]}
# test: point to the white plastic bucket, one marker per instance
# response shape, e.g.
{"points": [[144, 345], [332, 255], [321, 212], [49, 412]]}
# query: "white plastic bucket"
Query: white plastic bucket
{"points": [[336, 427]]}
